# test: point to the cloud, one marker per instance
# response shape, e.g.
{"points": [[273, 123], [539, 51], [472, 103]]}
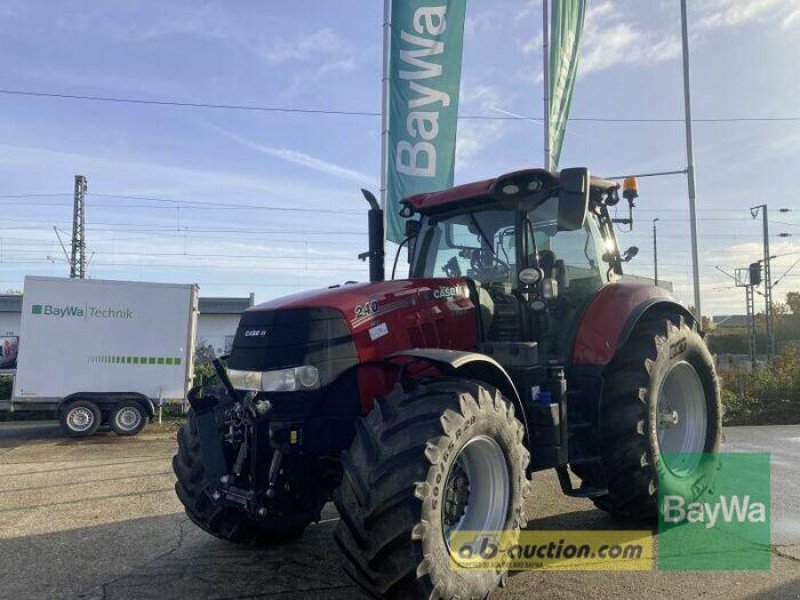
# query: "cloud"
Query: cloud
{"points": [[533, 45], [489, 20], [791, 19], [300, 158], [475, 136], [730, 13], [608, 41], [303, 47]]}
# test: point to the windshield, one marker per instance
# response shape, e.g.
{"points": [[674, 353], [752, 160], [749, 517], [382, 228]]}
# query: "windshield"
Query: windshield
{"points": [[480, 245], [483, 245]]}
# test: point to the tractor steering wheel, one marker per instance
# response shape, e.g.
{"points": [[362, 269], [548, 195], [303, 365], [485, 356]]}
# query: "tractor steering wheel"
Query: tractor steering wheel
{"points": [[487, 266]]}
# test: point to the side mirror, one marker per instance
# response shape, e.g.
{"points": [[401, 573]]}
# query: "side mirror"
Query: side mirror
{"points": [[573, 202], [630, 253], [412, 230]]}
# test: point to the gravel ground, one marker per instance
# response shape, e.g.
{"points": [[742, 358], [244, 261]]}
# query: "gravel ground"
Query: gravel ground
{"points": [[98, 518]]}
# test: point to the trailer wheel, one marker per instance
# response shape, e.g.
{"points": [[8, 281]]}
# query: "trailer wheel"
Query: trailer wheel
{"points": [[236, 525], [660, 419], [128, 418], [80, 418], [444, 457]]}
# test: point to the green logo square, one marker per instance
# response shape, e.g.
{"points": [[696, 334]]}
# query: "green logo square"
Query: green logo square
{"points": [[718, 517], [36, 309]]}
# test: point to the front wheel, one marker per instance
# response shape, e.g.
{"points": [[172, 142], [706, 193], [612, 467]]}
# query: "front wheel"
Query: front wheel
{"points": [[80, 418], [442, 458]]}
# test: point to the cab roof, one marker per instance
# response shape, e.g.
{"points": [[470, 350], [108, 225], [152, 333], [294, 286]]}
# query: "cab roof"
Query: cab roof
{"points": [[480, 192]]}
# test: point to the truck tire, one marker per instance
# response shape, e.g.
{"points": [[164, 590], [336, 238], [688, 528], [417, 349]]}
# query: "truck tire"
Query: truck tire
{"points": [[226, 522], [80, 418], [128, 418], [445, 456], [660, 419]]}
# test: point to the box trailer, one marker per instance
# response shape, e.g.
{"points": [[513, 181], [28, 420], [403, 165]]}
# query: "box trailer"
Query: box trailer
{"points": [[104, 352]]}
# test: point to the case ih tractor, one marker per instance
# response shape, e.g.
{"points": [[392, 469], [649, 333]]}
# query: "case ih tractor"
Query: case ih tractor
{"points": [[423, 406]]}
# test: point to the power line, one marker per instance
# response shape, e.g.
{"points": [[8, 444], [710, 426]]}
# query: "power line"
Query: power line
{"points": [[189, 204], [364, 113]]}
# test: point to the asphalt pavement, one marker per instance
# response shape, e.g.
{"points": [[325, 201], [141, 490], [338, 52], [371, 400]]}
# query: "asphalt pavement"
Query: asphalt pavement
{"points": [[98, 519]]}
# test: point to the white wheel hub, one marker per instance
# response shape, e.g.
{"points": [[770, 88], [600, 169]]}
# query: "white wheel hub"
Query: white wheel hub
{"points": [[80, 418], [128, 418], [478, 489], [682, 418]]}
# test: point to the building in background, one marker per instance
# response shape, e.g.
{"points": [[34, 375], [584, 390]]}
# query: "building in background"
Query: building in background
{"points": [[216, 325]]}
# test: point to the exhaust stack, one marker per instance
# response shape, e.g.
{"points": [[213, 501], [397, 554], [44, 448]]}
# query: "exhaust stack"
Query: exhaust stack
{"points": [[376, 252]]}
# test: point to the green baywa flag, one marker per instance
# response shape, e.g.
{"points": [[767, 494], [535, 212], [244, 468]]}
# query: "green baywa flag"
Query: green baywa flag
{"points": [[566, 27], [424, 80]]}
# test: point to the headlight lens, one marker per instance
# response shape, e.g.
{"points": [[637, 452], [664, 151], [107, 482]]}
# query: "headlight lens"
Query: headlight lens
{"points": [[283, 380]]}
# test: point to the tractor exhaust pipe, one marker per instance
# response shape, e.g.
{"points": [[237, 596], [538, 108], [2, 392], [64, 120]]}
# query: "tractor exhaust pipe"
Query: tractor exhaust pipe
{"points": [[376, 252]]}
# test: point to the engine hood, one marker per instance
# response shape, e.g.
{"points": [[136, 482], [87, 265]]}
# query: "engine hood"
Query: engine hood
{"points": [[360, 303], [357, 323]]}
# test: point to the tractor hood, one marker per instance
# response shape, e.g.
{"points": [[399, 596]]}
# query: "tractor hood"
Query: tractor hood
{"points": [[341, 326]]}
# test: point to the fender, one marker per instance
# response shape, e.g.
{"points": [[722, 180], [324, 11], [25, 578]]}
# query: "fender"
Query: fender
{"points": [[107, 400], [608, 321], [473, 365]]}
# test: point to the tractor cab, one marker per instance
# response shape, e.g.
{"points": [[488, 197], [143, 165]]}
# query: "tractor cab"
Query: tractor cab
{"points": [[536, 246]]}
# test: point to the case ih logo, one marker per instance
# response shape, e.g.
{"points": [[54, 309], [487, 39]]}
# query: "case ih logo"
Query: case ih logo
{"points": [[255, 333], [447, 292]]}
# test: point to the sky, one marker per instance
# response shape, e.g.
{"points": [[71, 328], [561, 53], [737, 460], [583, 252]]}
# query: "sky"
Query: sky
{"points": [[267, 202]]}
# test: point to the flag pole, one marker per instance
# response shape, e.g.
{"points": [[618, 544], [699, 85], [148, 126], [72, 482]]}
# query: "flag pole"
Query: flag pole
{"points": [[687, 101], [546, 83], [387, 41]]}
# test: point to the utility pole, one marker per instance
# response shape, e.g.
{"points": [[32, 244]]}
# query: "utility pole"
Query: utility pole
{"points": [[762, 208], [687, 102], [749, 279], [77, 261], [655, 251], [548, 160]]}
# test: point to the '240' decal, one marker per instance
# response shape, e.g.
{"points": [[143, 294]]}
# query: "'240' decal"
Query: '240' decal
{"points": [[366, 309]]}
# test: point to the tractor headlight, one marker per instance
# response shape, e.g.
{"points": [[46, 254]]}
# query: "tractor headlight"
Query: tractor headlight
{"points": [[295, 379]]}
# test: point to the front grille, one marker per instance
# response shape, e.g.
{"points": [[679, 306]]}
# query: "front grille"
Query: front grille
{"points": [[277, 339]]}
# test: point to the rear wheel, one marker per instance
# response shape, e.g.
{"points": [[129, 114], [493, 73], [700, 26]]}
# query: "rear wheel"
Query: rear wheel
{"points": [[441, 458], [292, 512], [80, 418], [660, 421], [128, 418]]}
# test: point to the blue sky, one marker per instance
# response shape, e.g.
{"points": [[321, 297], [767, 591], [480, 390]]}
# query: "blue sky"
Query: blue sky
{"points": [[217, 174]]}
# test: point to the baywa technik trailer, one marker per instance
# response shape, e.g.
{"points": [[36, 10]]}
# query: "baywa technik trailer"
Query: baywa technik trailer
{"points": [[104, 353]]}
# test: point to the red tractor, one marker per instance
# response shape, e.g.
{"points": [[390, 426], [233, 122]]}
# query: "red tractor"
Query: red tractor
{"points": [[423, 406]]}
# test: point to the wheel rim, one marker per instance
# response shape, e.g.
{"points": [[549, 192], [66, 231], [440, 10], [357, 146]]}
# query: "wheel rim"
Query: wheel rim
{"points": [[682, 418], [477, 493], [80, 419], [128, 418]]}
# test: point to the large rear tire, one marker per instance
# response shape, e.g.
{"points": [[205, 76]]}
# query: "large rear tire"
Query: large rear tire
{"points": [[445, 456], [230, 523], [660, 419]]}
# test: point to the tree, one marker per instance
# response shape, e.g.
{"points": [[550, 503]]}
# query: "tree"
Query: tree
{"points": [[793, 300]]}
